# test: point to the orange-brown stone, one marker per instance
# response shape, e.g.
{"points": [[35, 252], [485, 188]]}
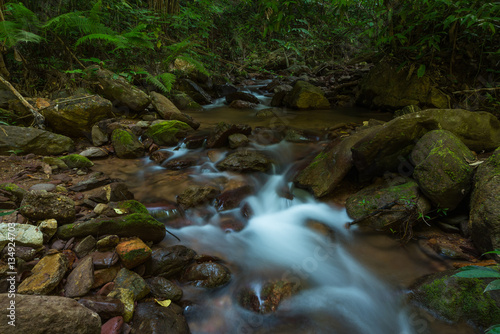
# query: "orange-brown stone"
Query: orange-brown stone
{"points": [[133, 252]]}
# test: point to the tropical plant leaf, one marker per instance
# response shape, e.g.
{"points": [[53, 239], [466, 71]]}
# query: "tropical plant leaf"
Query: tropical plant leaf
{"points": [[495, 285], [421, 71], [477, 272]]}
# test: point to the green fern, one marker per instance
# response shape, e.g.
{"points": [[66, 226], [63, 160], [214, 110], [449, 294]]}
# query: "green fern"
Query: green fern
{"points": [[198, 65], [163, 82], [21, 26], [69, 22], [182, 50]]}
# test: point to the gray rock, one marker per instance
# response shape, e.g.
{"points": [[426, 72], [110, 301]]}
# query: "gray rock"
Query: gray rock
{"points": [[85, 246], [99, 137], [48, 314], [245, 161], [94, 152], [31, 140], [126, 144], [150, 317], [197, 195], [41, 205], [238, 140], [169, 261], [163, 289], [220, 136], [81, 279], [43, 186], [23, 234], [207, 275]]}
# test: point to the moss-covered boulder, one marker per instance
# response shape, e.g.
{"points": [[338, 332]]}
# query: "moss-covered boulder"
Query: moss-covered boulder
{"points": [[76, 161], [388, 148], [126, 144], [184, 102], [167, 110], [245, 161], [167, 133], [399, 200], [13, 192], [129, 206], [138, 225], [484, 220], [75, 116], [458, 299], [442, 168], [306, 96], [386, 87], [22, 140], [126, 97], [329, 167]]}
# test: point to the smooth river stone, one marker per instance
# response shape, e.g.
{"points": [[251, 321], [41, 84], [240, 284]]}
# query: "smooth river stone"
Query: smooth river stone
{"points": [[81, 279], [46, 275]]}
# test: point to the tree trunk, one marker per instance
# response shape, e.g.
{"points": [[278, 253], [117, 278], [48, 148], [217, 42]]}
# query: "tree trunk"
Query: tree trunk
{"points": [[164, 6]]}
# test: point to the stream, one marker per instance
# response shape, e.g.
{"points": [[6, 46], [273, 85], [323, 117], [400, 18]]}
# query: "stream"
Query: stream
{"points": [[348, 281]]}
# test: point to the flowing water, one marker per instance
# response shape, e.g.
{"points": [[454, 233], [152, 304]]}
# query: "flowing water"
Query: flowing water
{"points": [[348, 282]]}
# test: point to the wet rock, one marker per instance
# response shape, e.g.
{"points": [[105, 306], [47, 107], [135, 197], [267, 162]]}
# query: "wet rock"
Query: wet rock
{"points": [[329, 167], [41, 205], [184, 102], [399, 198], [127, 298], [113, 326], [238, 140], [163, 105], [126, 144], [104, 259], [48, 228], [170, 261], [410, 109], [153, 318], [224, 90], [81, 279], [74, 116], [194, 91], [94, 181], [207, 275], [269, 297], [167, 133], [238, 104], [245, 161], [220, 136], [99, 136], [196, 195], [104, 276], [196, 140], [306, 96], [114, 192], [242, 96], [31, 140], [160, 156], [128, 206], [21, 234], [301, 136], [230, 199], [266, 113], [138, 225], [133, 252], [49, 314], [85, 246], [178, 164], [387, 87], [46, 275], [385, 149], [163, 289], [125, 96], [280, 92], [108, 242], [129, 280], [48, 187], [106, 307], [458, 299], [94, 152], [442, 168], [485, 205]]}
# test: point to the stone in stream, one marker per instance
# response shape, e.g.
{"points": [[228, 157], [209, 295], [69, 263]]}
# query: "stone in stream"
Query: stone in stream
{"points": [[81, 279], [162, 289], [484, 218], [245, 161], [127, 298], [126, 144], [442, 168], [184, 102], [194, 91], [238, 140], [30, 140], [169, 262], [46, 275], [85, 246], [220, 135], [103, 260], [113, 326], [107, 243], [167, 133], [153, 318], [138, 225], [207, 275], [129, 280], [48, 314], [270, 295], [99, 136], [231, 198], [133, 252], [21, 235], [196, 195], [239, 104], [458, 299], [306, 96], [168, 111], [104, 276], [41, 205], [242, 96], [94, 152], [159, 156], [106, 307]]}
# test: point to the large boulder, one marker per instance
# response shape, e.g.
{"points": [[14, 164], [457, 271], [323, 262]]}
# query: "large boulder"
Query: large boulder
{"points": [[47, 314], [184, 102], [30, 140], [387, 148], [245, 161], [167, 133], [386, 87], [306, 96], [484, 220], [115, 88], [167, 110], [399, 200], [126, 144], [192, 89], [40, 205], [442, 168], [138, 225], [196, 195], [75, 116], [330, 166], [458, 299]]}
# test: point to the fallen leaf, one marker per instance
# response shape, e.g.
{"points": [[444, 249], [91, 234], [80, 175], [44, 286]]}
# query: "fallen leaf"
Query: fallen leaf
{"points": [[164, 303]]}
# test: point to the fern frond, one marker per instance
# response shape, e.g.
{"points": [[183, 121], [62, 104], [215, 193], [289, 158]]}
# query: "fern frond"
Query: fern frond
{"points": [[115, 39], [198, 65], [95, 12], [68, 22], [163, 82], [23, 16], [12, 33]]}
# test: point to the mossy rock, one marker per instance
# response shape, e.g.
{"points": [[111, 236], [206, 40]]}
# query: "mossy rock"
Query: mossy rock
{"points": [[138, 225], [77, 161], [55, 162], [167, 133], [16, 191], [126, 144], [130, 206], [458, 299], [306, 96]]}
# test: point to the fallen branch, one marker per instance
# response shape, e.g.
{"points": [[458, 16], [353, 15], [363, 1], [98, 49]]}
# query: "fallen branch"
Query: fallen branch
{"points": [[39, 119], [475, 90]]}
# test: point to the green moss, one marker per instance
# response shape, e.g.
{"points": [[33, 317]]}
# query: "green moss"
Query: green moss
{"points": [[166, 133], [132, 206], [17, 191], [76, 161], [122, 136], [462, 299]]}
